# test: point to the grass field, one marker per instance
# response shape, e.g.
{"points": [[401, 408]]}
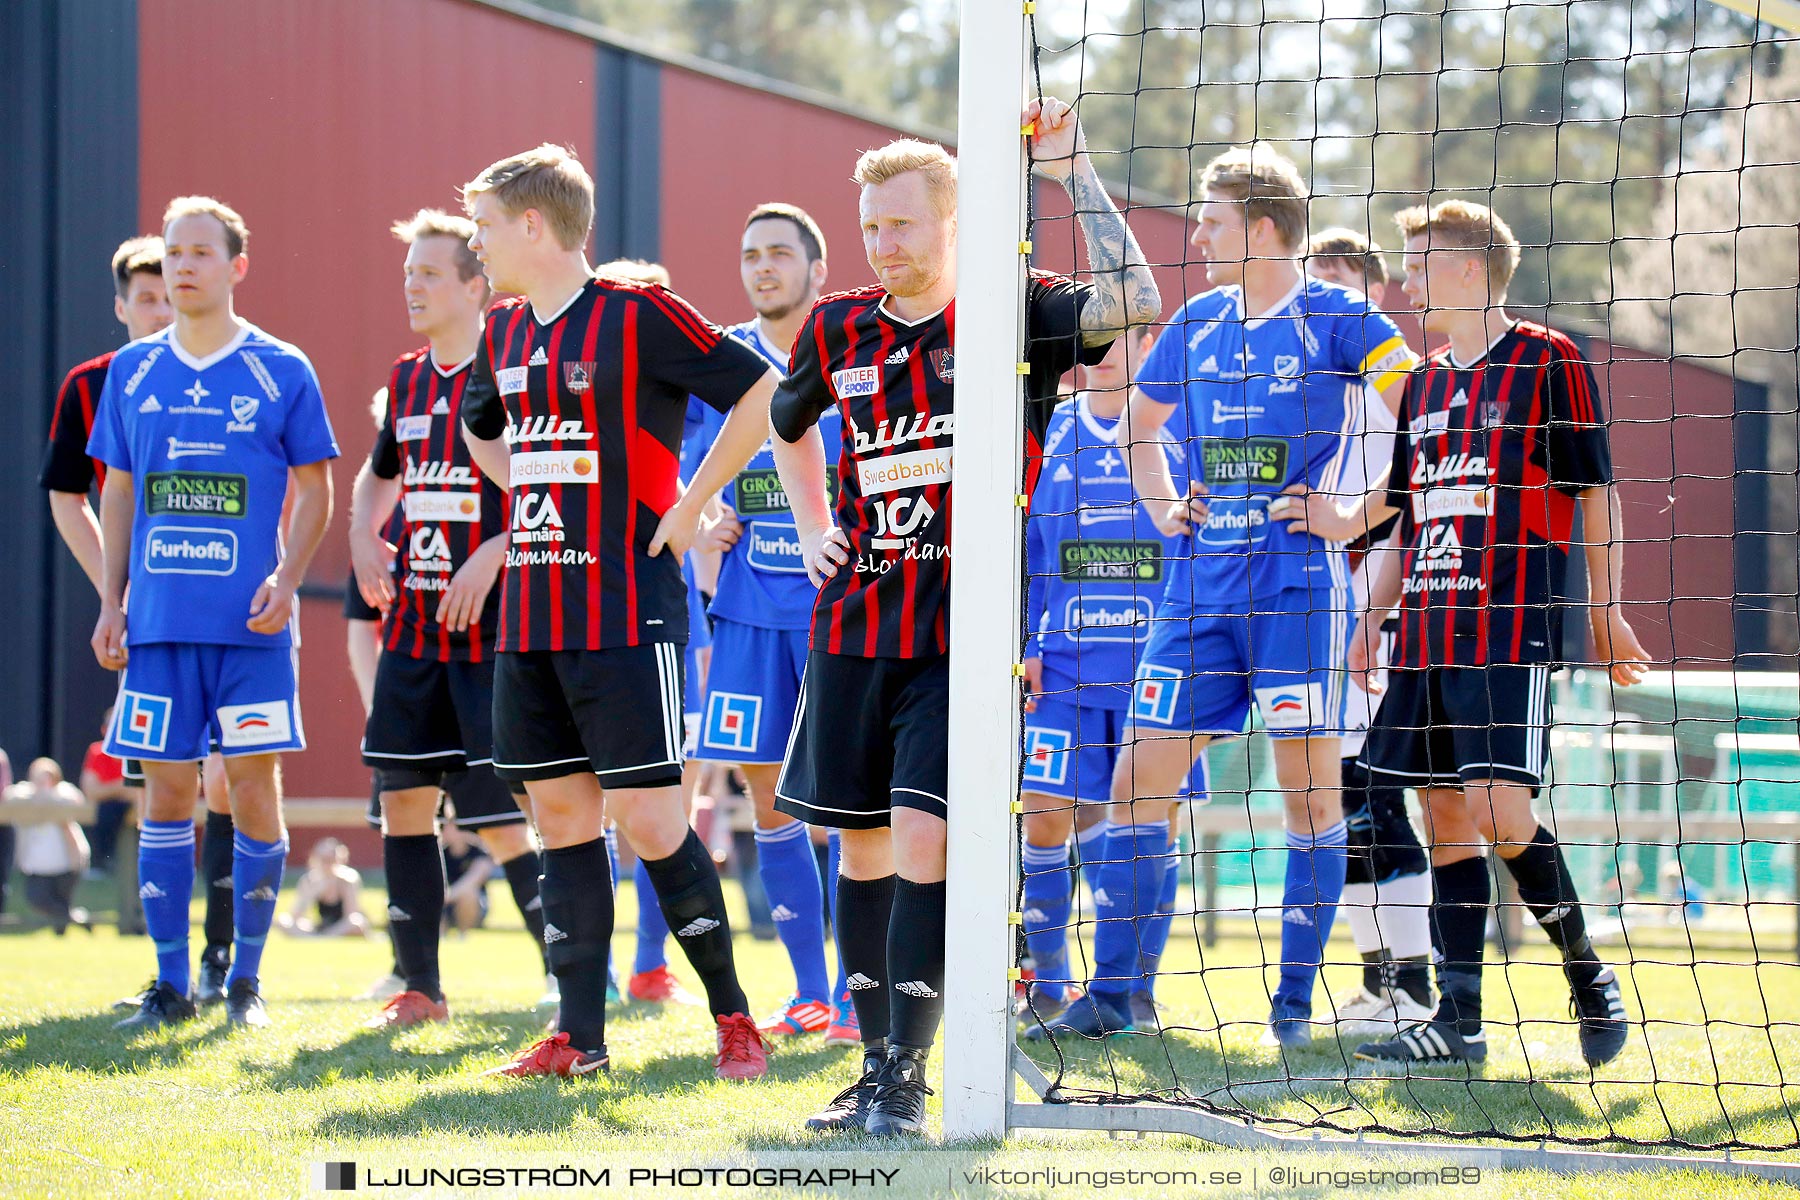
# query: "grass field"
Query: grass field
{"points": [[203, 1112]]}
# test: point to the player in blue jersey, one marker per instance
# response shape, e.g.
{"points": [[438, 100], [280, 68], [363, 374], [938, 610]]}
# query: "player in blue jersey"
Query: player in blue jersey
{"points": [[760, 614], [1269, 367], [1096, 566], [201, 426]]}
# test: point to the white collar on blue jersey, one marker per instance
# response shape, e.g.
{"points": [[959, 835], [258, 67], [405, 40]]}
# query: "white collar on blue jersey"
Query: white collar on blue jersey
{"points": [[1082, 410], [1278, 307], [770, 349], [219, 355]]}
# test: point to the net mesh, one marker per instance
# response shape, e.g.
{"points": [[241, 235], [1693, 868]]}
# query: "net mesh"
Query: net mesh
{"points": [[1647, 156]]}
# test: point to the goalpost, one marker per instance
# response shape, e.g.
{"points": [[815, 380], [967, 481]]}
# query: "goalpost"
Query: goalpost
{"points": [[1609, 800]]}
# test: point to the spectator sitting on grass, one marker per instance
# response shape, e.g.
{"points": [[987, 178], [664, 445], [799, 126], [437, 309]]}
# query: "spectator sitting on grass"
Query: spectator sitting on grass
{"points": [[335, 888], [51, 851]]}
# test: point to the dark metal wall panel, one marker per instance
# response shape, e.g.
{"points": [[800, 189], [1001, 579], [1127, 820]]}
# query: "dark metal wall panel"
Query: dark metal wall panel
{"points": [[70, 142], [627, 163]]}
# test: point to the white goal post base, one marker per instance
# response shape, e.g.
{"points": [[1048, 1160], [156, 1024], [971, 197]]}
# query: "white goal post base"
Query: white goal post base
{"points": [[1238, 1134]]}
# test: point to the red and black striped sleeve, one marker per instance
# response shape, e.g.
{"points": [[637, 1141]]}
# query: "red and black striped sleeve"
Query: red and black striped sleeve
{"points": [[684, 349], [1577, 449], [66, 466], [1399, 481], [483, 412], [384, 455]]}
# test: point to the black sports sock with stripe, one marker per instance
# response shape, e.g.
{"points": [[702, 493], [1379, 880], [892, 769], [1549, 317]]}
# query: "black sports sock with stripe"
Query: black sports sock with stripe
{"points": [[415, 880], [216, 858], [865, 912], [522, 873], [1459, 935], [915, 953], [692, 901], [577, 895]]}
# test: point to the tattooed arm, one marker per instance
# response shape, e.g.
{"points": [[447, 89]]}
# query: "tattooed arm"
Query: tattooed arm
{"points": [[1124, 290]]}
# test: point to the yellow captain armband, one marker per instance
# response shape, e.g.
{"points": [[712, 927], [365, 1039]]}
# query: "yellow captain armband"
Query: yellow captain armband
{"points": [[1388, 362]]}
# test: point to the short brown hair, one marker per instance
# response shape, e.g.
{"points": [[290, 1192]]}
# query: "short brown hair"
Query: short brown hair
{"points": [[1461, 225], [909, 154], [1266, 182], [135, 256], [638, 270], [435, 222], [1353, 250], [237, 234], [812, 238], [550, 179]]}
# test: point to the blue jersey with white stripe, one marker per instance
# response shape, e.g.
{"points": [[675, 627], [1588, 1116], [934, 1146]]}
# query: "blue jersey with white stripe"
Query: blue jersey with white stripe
{"points": [[762, 579], [1269, 401], [1097, 562], [208, 443]]}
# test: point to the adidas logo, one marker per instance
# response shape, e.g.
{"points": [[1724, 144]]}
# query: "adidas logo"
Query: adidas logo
{"points": [[1295, 916], [536, 905], [899, 356], [1460, 400], [697, 927], [538, 358], [395, 913], [151, 892], [1556, 914], [1101, 898], [1063, 474], [150, 405], [265, 892], [1036, 916], [223, 881], [782, 912], [552, 934], [441, 408], [858, 982], [917, 987]]}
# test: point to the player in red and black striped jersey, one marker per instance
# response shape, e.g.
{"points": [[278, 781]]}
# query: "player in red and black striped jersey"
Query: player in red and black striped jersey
{"points": [[141, 303], [868, 751], [587, 379], [430, 723], [1501, 439]]}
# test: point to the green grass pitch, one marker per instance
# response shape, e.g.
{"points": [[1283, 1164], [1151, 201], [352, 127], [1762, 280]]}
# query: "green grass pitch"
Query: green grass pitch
{"points": [[202, 1112]]}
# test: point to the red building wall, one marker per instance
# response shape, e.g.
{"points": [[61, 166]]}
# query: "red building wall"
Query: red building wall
{"points": [[322, 123]]}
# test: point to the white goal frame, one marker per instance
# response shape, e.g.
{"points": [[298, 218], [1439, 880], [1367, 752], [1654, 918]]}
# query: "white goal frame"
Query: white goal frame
{"points": [[982, 1064]]}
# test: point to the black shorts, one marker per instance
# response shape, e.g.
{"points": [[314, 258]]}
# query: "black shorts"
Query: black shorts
{"points": [[429, 717], [355, 607], [614, 712], [1446, 726], [870, 736]]}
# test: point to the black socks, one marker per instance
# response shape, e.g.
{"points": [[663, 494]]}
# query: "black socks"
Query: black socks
{"points": [[415, 879], [1546, 888], [577, 898], [522, 877], [864, 915], [216, 856], [915, 955], [687, 888], [1459, 934]]}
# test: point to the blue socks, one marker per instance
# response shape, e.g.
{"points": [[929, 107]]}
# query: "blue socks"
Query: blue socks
{"points": [[1155, 934], [1090, 848], [166, 886], [1048, 889], [256, 881], [1131, 885], [652, 926], [790, 878], [1309, 900]]}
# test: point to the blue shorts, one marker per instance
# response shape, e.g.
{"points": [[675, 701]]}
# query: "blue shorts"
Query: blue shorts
{"points": [[751, 694], [699, 638], [179, 699], [1201, 671], [1070, 751]]}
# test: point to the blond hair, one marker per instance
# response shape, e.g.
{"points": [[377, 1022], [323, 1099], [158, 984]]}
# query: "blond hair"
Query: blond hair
{"points": [[638, 270], [1461, 225], [909, 154], [237, 234], [138, 255], [1353, 250], [550, 179], [1266, 182], [435, 222]]}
